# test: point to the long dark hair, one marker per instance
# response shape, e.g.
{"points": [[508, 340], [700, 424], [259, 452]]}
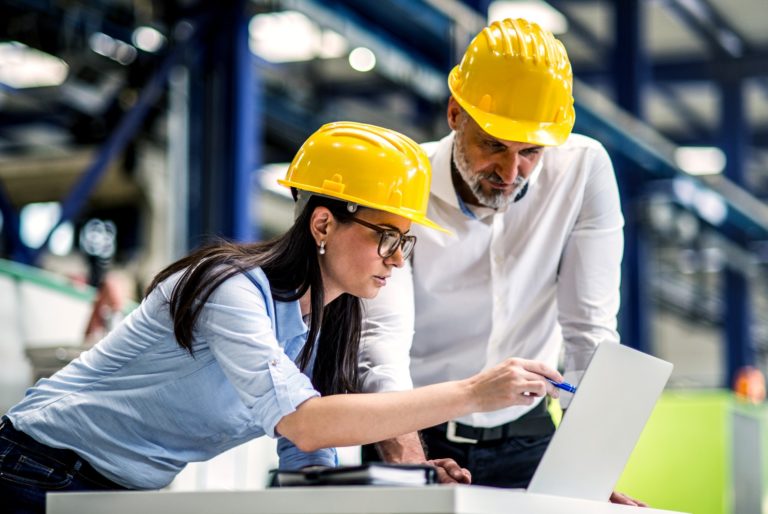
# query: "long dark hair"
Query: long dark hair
{"points": [[291, 264]]}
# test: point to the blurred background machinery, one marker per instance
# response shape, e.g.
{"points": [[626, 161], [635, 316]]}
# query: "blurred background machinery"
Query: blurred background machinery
{"points": [[169, 122]]}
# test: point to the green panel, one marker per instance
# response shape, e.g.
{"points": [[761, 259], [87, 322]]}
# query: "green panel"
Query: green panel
{"points": [[53, 282], [46, 279], [682, 461]]}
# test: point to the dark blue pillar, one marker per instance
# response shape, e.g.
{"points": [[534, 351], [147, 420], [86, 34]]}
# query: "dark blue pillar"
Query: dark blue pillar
{"points": [[634, 317], [225, 132], [247, 138], [738, 309], [11, 232], [630, 72]]}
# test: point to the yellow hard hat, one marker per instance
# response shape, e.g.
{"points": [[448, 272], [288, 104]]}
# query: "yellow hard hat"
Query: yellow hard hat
{"points": [[515, 81], [367, 165]]}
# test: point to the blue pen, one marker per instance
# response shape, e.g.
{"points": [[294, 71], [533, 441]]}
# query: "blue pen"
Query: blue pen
{"points": [[565, 386]]}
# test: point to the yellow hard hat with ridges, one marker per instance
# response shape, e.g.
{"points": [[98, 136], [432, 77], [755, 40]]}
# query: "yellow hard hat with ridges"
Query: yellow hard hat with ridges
{"points": [[367, 165], [515, 81]]}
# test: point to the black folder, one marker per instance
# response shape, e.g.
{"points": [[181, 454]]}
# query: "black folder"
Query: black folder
{"points": [[365, 474]]}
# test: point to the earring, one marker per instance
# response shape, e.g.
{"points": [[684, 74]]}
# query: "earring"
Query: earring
{"points": [[321, 250]]}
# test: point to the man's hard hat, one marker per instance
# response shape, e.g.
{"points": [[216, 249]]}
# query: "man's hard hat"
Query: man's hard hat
{"points": [[365, 165], [515, 81]]}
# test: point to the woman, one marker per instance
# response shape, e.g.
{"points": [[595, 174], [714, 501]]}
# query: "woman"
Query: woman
{"points": [[214, 355]]}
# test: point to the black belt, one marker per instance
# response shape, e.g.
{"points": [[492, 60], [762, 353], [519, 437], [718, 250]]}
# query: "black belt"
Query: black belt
{"points": [[66, 458], [536, 422]]}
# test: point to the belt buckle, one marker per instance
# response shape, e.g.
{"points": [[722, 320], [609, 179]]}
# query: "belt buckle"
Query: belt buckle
{"points": [[450, 434]]}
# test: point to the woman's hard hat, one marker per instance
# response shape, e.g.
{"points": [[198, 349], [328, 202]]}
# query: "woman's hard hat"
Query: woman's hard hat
{"points": [[366, 165]]}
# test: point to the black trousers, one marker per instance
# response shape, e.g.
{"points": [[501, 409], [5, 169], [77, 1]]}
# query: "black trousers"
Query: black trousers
{"points": [[29, 470], [508, 462]]}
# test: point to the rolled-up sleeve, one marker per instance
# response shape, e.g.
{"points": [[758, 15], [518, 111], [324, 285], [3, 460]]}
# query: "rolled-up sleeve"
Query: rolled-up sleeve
{"points": [[236, 325], [291, 458]]}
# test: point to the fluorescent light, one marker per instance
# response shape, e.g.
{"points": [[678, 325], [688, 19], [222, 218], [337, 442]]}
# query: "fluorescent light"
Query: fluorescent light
{"points": [[362, 59], [102, 44], [290, 36], [710, 206], [700, 160], [36, 220], [62, 239], [148, 39], [112, 48], [333, 45], [285, 36], [684, 189], [23, 67], [536, 11]]}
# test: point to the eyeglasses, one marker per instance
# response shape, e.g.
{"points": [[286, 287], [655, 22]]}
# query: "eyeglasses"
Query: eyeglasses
{"points": [[390, 239]]}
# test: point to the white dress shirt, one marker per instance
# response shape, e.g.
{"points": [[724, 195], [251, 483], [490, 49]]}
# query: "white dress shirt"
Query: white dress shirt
{"points": [[517, 282]]}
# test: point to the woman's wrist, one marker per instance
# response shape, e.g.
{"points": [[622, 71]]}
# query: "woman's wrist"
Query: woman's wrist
{"points": [[469, 398]]}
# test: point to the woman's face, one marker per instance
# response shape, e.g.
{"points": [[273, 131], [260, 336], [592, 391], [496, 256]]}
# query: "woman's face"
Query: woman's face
{"points": [[351, 263]]}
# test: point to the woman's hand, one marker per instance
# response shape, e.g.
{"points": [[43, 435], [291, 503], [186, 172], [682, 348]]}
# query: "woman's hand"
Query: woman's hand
{"points": [[513, 382]]}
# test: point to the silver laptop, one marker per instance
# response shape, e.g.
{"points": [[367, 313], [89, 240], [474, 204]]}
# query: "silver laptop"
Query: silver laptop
{"points": [[601, 426]]}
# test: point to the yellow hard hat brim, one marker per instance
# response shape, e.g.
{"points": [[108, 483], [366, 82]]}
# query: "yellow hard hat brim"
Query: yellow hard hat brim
{"points": [[405, 213], [532, 132]]}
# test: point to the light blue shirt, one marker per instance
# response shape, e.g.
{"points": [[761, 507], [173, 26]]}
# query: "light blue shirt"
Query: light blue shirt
{"points": [[138, 407]]}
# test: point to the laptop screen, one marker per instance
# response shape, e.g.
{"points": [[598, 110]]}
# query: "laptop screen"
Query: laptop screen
{"points": [[601, 426]]}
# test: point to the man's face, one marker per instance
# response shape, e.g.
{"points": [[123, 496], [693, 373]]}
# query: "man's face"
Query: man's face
{"points": [[494, 170]]}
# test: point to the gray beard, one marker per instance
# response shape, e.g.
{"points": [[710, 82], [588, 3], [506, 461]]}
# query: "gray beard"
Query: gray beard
{"points": [[494, 199]]}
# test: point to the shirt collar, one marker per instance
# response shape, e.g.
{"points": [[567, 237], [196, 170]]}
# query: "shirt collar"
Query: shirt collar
{"points": [[288, 321]]}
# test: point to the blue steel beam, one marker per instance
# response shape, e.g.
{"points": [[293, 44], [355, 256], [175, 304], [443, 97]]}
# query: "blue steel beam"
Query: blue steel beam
{"points": [[722, 38], [709, 25], [246, 132], [639, 143], [630, 80], [224, 132], [581, 31], [601, 52], [122, 135], [416, 24], [758, 137], [696, 124], [695, 69], [16, 248], [393, 60], [739, 348]]}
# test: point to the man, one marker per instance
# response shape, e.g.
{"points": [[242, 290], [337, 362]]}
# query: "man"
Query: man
{"points": [[533, 267]]}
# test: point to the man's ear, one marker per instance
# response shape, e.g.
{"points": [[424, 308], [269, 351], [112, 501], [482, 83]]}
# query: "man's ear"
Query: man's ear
{"points": [[320, 223], [453, 112]]}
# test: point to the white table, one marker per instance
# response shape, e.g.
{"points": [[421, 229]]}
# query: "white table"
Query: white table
{"points": [[334, 500]]}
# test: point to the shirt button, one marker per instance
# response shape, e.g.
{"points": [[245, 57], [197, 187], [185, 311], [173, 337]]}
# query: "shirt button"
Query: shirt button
{"points": [[273, 362]]}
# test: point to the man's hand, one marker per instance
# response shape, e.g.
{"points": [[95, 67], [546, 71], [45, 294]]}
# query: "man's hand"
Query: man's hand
{"points": [[407, 449], [623, 499], [449, 472]]}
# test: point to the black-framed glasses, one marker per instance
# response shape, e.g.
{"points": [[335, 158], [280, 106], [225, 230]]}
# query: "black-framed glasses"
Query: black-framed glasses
{"points": [[390, 239]]}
